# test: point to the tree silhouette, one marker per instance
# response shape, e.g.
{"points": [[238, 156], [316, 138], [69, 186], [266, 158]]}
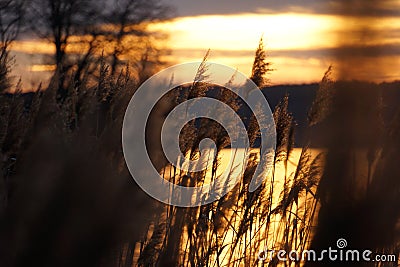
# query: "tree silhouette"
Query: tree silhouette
{"points": [[129, 18], [58, 20], [99, 29], [11, 18]]}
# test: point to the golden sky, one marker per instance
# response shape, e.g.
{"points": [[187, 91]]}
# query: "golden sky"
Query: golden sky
{"points": [[300, 45]]}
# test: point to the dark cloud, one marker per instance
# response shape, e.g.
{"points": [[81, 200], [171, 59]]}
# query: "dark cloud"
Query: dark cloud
{"points": [[208, 7], [343, 7]]}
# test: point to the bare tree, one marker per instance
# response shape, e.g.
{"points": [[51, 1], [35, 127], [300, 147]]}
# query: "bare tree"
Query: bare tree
{"points": [[103, 28], [122, 37], [130, 18], [11, 17], [58, 20]]}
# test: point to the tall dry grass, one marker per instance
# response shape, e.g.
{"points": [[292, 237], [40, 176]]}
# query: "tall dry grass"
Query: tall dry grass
{"points": [[233, 230], [68, 199]]}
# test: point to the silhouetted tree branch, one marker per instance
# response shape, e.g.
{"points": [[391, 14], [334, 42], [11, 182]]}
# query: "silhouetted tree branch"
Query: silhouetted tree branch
{"points": [[129, 18], [11, 18], [58, 20], [96, 28]]}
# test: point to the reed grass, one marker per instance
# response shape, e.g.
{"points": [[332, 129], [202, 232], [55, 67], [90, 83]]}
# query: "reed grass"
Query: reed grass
{"points": [[68, 200]]}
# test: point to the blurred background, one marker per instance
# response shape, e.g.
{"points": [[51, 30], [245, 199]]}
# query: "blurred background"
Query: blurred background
{"points": [[68, 68]]}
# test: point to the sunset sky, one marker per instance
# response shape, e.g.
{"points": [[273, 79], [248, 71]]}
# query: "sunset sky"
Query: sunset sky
{"points": [[302, 37]]}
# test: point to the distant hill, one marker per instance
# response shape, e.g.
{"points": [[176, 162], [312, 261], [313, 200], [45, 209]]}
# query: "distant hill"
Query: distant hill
{"points": [[302, 96]]}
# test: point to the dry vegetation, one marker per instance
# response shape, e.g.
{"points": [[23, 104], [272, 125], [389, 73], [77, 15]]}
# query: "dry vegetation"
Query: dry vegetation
{"points": [[67, 198]]}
